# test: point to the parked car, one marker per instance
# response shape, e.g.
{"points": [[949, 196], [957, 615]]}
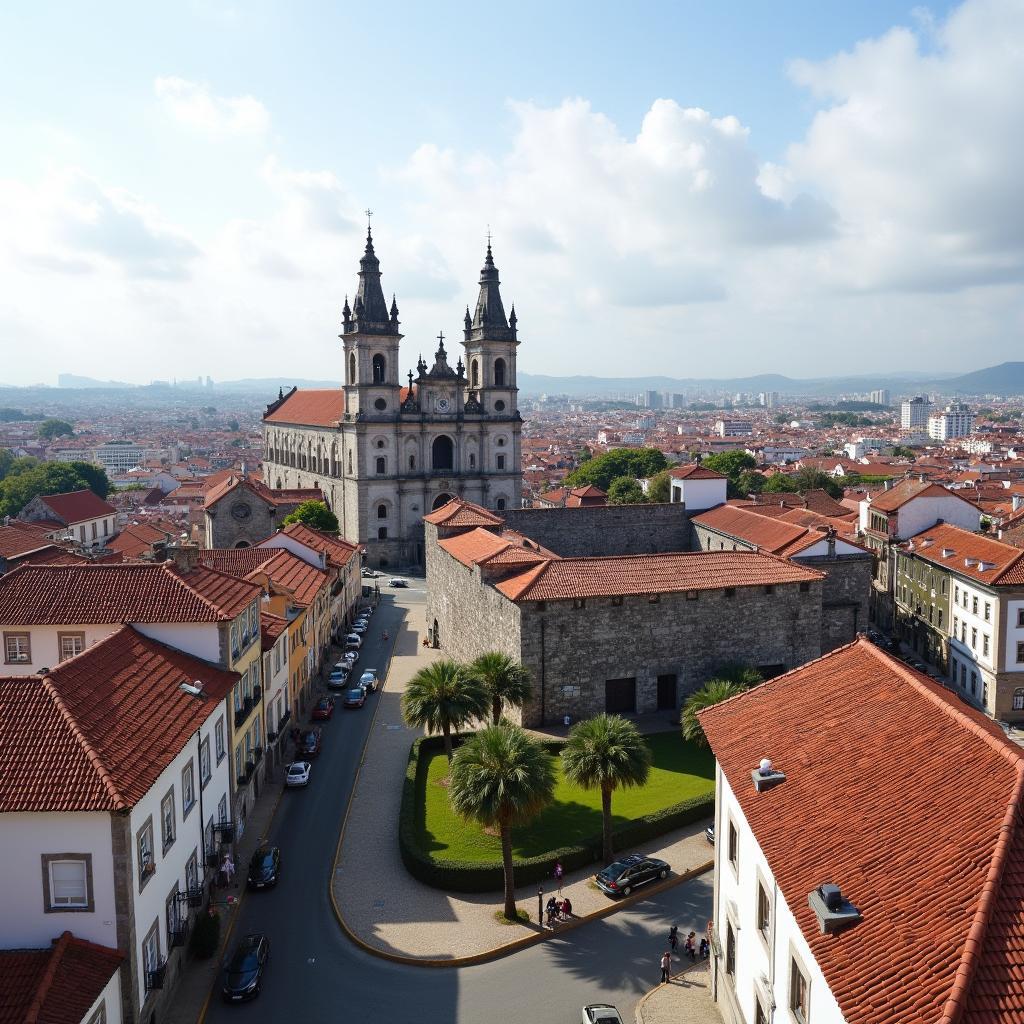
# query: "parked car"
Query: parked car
{"points": [[324, 709], [355, 698], [338, 679], [310, 742], [264, 867], [709, 834], [368, 680], [622, 877], [359, 628], [353, 640], [396, 582], [244, 969], [349, 658], [601, 1013], [363, 620], [297, 773], [368, 574]]}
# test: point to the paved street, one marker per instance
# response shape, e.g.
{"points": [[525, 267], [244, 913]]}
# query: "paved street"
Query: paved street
{"points": [[316, 973]]}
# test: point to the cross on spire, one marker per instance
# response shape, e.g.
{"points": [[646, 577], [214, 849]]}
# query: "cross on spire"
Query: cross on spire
{"points": [[440, 338], [369, 215]]}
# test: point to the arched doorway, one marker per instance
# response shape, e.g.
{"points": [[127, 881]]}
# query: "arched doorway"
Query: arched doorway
{"points": [[441, 499], [442, 453], [242, 544]]}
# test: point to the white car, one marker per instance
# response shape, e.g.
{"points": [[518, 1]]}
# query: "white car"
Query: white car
{"points": [[354, 640], [359, 628], [368, 680], [601, 1013], [297, 774]]}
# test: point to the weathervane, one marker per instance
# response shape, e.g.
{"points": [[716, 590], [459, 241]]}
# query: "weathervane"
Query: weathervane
{"points": [[369, 214]]}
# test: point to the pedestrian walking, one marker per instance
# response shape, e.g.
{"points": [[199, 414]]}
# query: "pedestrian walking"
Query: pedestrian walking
{"points": [[666, 966], [704, 949], [673, 938], [559, 871], [691, 946], [228, 867]]}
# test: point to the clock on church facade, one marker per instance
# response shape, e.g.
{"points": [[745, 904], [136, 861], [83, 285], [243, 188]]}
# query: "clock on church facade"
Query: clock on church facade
{"points": [[384, 452]]}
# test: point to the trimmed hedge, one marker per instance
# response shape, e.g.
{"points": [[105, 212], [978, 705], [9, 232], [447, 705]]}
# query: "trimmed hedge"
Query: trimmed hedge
{"points": [[474, 876]]}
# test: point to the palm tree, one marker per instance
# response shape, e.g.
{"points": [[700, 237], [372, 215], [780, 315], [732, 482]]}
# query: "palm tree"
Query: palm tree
{"points": [[606, 753], [443, 696], [711, 693], [737, 672], [506, 681], [502, 777]]}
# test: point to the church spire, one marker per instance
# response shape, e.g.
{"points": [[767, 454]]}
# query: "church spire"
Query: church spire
{"points": [[370, 308], [489, 319]]}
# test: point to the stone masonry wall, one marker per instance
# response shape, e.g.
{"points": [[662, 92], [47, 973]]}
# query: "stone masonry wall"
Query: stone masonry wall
{"points": [[845, 597], [583, 647], [605, 529]]}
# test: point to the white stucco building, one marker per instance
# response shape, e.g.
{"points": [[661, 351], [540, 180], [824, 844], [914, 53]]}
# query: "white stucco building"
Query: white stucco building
{"points": [[857, 879], [696, 487]]}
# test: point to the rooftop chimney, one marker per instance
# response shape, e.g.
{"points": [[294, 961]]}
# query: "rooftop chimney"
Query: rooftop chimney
{"points": [[833, 910], [765, 776], [184, 555]]}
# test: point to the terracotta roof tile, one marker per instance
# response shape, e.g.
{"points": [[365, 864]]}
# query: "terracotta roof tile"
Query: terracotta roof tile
{"points": [[35, 595], [462, 513], [694, 471], [565, 578], [906, 490], [16, 541], [294, 574], [970, 554], [77, 506], [337, 550], [97, 731], [57, 985], [322, 407], [868, 803], [772, 535]]}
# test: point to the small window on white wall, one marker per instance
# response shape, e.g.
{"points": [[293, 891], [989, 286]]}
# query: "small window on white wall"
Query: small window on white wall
{"points": [[69, 884]]}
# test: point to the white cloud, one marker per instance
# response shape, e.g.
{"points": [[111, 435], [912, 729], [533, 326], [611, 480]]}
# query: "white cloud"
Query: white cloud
{"points": [[193, 105]]}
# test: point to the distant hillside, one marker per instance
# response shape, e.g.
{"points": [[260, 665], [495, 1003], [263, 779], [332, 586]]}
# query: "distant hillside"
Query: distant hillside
{"points": [[1004, 379]]}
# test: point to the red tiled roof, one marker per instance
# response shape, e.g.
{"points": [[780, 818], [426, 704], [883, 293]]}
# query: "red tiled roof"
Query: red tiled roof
{"points": [[236, 561], [36, 595], [671, 572], [313, 407], [769, 534], [337, 550], [97, 731], [462, 513], [15, 541], [230, 483], [57, 985], [694, 471], [77, 506], [303, 580], [994, 561], [271, 627], [870, 803], [905, 490], [815, 499]]}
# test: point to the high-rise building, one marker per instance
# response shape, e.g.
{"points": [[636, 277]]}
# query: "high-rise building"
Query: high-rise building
{"points": [[914, 415], [956, 420], [880, 396]]}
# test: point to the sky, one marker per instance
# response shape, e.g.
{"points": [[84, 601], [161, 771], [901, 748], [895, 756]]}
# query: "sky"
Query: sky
{"points": [[679, 188]]}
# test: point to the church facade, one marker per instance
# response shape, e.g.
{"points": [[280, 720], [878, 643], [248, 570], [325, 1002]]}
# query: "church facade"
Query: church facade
{"points": [[384, 453]]}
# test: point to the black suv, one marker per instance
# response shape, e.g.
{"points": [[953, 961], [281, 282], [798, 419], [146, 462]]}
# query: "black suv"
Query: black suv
{"points": [[264, 867], [622, 877]]}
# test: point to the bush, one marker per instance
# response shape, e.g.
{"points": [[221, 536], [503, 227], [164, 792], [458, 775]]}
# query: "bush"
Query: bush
{"points": [[205, 935], [473, 876]]}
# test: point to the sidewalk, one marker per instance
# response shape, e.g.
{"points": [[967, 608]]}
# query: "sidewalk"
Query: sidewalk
{"points": [[387, 909], [197, 977], [687, 996]]}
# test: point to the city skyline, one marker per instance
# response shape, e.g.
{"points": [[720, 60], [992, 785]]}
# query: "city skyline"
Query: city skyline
{"points": [[776, 191]]}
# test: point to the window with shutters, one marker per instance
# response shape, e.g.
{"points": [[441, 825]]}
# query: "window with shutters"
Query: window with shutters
{"points": [[167, 820], [204, 762]]}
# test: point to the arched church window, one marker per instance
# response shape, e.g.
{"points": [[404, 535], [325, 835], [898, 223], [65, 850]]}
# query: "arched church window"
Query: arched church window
{"points": [[499, 373], [382, 465], [474, 374], [500, 504], [351, 367], [412, 461], [443, 453], [382, 533], [378, 369], [382, 511], [501, 442], [380, 442]]}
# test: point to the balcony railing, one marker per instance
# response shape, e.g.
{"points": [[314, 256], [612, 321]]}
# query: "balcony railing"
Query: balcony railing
{"points": [[180, 934], [155, 977], [242, 713], [257, 692]]}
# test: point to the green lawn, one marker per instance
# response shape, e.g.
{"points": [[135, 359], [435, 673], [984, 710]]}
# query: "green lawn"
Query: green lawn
{"points": [[679, 771]]}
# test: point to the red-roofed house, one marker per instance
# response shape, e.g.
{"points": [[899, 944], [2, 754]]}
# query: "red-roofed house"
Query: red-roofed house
{"points": [[697, 487], [114, 805], [81, 516], [70, 982], [922, 916]]}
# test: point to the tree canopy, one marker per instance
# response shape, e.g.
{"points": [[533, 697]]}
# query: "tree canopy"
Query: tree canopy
{"points": [[506, 681], [737, 466], [27, 478], [624, 490], [49, 429], [601, 470], [660, 487], [315, 514]]}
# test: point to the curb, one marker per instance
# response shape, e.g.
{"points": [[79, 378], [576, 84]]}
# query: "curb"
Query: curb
{"points": [[638, 1011], [234, 917]]}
